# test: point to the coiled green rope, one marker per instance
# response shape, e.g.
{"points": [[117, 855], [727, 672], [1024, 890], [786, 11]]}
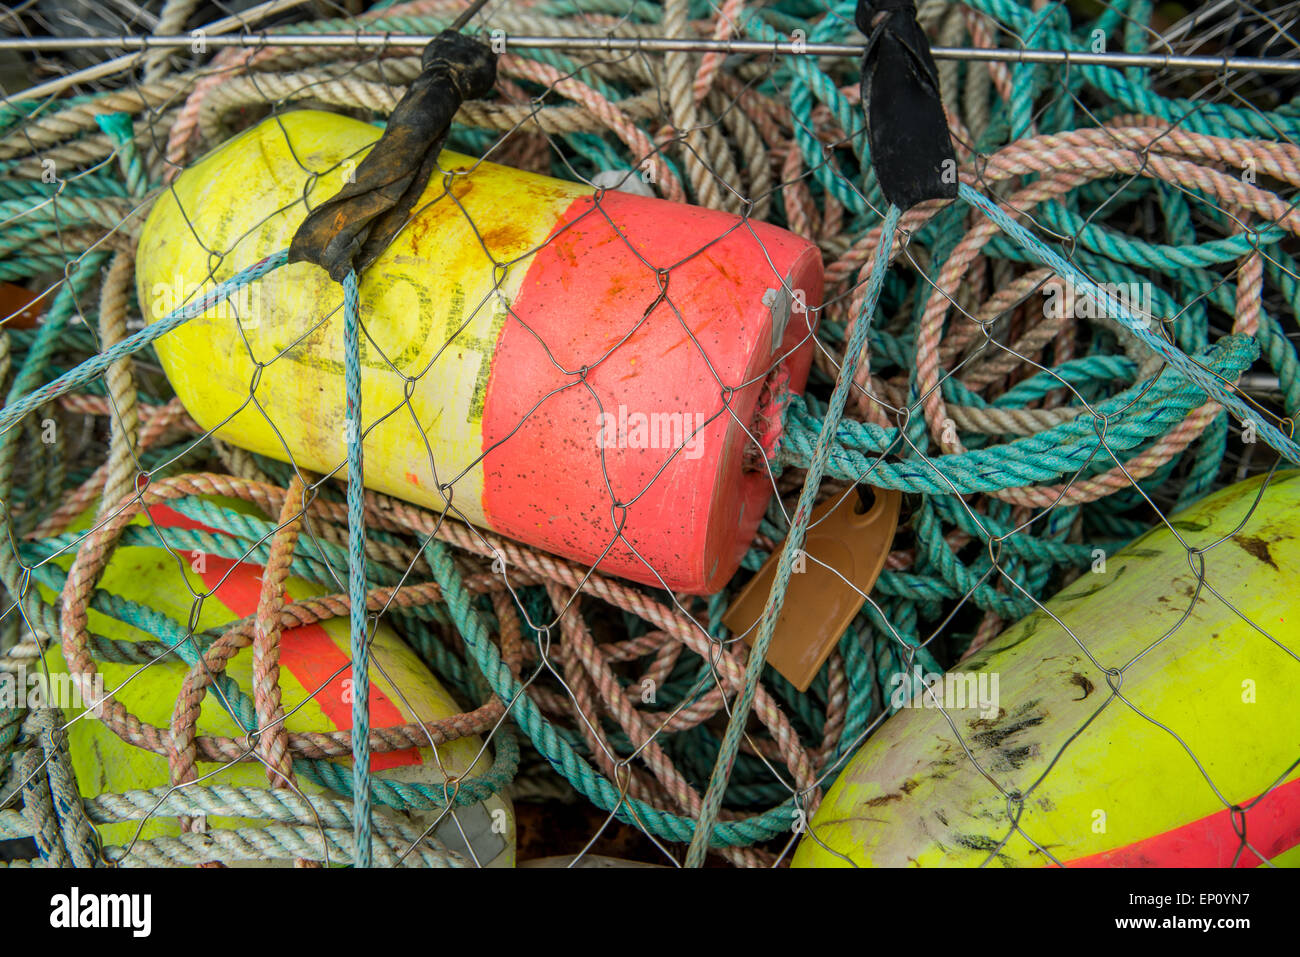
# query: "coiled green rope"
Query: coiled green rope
{"points": [[884, 641]]}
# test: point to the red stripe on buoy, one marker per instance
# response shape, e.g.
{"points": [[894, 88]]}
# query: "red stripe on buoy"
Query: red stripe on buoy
{"points": [[307, 651], [596, 330], [1273, 828]]}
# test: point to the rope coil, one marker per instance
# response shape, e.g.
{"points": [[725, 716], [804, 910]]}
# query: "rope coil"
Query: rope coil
{"points": [[1025, 438]]}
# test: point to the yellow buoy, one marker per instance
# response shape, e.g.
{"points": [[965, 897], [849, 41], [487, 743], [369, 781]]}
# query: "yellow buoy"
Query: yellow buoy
{"points": [[1206, 680], [314, 681], [521, 354]]}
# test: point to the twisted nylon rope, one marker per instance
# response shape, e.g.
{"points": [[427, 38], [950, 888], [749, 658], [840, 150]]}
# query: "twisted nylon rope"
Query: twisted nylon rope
{"points": [[267, 699], [794, 540], [97, 364], [357, 574], [55, 813], [1211, 385], [1022, 435]]}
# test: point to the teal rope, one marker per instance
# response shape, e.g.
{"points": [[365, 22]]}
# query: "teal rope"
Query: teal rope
{"points": [[357, 575], [1046, 456], [793, 542], [97, 364], [877, 645], [120, 130], [554, 743], [1211, 386]]}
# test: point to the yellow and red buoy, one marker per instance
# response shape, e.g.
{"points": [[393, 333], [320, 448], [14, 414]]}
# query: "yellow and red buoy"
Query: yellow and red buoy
{"points": [[600, 375], [314, 682], [1199, 739]]}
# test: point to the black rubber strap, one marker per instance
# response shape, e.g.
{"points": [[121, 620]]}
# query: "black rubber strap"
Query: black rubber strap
{"points": [[907, 131], [350, 229]]}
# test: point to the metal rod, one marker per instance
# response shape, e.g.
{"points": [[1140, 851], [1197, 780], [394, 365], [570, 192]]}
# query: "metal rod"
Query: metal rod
{"points": [[658, 45], [118, 64], [467, 15]]}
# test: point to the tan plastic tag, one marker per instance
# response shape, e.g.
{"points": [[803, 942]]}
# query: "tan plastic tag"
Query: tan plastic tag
{"points": [[19, 307], [819, 604]]}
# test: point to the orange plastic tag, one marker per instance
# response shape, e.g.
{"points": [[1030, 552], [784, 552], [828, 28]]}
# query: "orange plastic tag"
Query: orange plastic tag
{"points": [[845, 541], [19, 307]]}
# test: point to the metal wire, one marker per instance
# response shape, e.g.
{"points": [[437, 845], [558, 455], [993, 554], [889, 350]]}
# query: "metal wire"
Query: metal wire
{"points": [[658, 45], [962, 360]]}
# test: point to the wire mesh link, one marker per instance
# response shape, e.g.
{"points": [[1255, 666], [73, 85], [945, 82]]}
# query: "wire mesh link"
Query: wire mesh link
{"points": [[1031, 428]]}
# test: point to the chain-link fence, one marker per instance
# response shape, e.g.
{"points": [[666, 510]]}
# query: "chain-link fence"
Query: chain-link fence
{"points": [[652, 376]]}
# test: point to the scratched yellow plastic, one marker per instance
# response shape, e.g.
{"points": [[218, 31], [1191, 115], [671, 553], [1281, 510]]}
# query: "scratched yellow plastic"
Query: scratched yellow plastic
{"points": [[912, 797], [154, 577], [243, 202]]}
